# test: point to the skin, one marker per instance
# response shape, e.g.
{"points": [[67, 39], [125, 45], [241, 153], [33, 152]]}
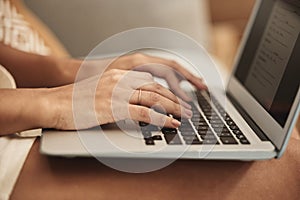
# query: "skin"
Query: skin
{"points": [[45, 90]]}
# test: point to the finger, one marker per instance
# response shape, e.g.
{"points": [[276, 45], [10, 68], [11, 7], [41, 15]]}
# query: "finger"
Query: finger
{"points": [[141, 113], [155, 87], [174, 84], [140, 75], [159, 102], [198, 82]]}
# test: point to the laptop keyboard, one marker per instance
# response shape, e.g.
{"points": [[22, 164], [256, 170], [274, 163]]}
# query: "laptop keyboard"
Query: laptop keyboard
{"points": [[212, 126]]}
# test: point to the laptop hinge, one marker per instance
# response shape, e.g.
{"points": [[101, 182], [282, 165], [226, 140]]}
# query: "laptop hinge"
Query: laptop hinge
{"points": [[262, 136]]}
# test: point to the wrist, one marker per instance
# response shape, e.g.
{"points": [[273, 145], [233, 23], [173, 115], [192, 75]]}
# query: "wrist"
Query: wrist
{"points": [[59, 71], [41, 113], [57, 103], [68, 69]]}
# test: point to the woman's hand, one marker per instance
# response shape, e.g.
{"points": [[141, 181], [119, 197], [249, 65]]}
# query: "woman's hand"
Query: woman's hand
{"points": [[117, 95], [169, 70]]}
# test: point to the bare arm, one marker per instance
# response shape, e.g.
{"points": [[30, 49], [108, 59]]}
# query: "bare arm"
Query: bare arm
{"points": [[32, 71], [23, 109]]}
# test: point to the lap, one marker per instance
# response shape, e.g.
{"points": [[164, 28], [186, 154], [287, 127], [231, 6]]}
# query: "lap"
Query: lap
{"points": [[59, 178]]}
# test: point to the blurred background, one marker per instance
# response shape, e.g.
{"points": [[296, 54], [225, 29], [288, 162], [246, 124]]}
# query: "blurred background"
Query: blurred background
{"points": [[80, 25]]}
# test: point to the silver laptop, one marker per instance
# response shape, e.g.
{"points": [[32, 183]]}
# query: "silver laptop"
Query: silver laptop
{"points": [[262, 105]]}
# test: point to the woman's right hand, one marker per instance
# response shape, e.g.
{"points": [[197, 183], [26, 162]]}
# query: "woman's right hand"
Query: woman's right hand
{"points": [[115, 96]]}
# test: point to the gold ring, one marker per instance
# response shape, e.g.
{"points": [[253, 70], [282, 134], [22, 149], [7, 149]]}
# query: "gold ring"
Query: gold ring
{"points": [[139, 96]]}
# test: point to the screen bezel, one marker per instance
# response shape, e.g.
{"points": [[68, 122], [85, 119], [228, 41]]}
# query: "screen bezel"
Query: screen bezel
{"points": [[271, 128]]}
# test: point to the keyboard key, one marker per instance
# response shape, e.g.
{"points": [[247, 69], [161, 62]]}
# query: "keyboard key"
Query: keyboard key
{"points": [[221, 130], [227, 118], [208, 137], [230, 123], [214, 117], [147, 134], [216, 121], [142, 124], [237, 131], [218, 126], [225, 130], [196, 141], [244, 141], [203, 128], [240, 136], [210, 142], [152, 128], [172, 139], [189, 137], [228, 140], [233, 127], [185, 123], [203, 132], [201, 123], [223, 134], [210, 113], [149, 141], [188, 133], [156, 137], [169, 131], [218, 130], [196, 113], [197, 119]]}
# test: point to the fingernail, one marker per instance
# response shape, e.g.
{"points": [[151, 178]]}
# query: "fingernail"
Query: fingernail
{"points": [[188, 98], [186, 105], [176, 123], [202, 85], [188, 112]]}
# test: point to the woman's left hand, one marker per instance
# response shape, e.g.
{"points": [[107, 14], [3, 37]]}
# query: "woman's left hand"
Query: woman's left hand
{"points": [[169, 70]]}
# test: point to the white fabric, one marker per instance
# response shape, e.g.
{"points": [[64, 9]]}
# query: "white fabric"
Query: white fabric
{"points": [[13, 149], [16, 32]]}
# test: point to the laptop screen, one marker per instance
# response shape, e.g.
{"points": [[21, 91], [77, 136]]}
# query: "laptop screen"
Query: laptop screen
{"points": [[269, 67]]}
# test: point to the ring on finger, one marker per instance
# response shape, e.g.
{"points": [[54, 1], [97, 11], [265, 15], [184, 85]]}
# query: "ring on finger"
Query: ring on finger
{"points": [[139, 96]]}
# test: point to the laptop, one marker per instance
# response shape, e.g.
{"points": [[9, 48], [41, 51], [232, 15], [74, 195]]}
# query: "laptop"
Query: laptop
{"points": [[262, 105]]}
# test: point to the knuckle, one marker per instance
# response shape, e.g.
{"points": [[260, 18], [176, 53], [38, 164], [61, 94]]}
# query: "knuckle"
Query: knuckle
{"points": [[138, 56], [114, 71], [143, 113], [173, 63], [176, 108], [161, 120], [147, 76], [138, 59], [154, 97], [158, 87], [115, 77]]}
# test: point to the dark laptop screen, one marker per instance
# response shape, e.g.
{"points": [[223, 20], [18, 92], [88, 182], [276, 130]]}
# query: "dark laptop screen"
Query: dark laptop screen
{"points": [[270, 64]]}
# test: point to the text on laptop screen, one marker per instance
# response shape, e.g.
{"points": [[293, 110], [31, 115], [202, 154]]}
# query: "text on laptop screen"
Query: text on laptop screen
{"points": [[270, 64]]}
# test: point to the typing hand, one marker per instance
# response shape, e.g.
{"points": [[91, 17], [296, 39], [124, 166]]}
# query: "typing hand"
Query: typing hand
{"points": [[117, 95], [170, 70]]}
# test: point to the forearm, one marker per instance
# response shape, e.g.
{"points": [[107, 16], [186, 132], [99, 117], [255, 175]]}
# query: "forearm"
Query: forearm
{"points": [[24, 109], [31, 70]]}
